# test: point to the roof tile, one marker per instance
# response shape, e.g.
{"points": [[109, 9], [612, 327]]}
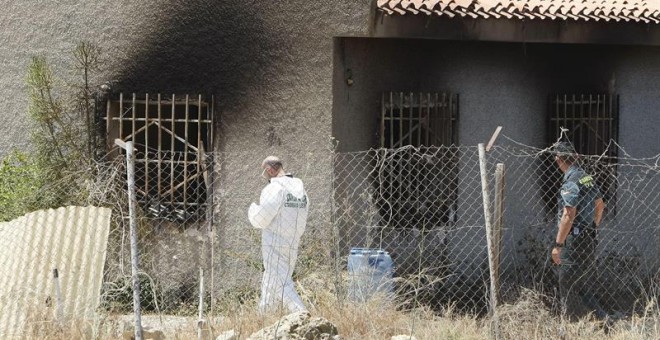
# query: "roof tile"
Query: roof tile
{"points": [[580, 10]]}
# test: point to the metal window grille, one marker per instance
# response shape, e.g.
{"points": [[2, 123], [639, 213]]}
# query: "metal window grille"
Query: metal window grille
{"points": [[173, 136], [592, 121], [406, 198], [418, 119]]}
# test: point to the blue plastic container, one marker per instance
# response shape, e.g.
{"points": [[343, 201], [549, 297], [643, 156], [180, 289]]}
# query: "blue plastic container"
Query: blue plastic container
{"points": [[370, 271]]}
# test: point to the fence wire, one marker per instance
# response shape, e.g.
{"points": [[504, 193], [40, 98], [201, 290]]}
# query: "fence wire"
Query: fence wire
{"points": [[423, 206], [624, 269]]}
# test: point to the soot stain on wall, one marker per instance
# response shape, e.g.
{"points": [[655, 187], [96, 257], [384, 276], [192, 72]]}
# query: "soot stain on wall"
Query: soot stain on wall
{"points": [[200, 47]]}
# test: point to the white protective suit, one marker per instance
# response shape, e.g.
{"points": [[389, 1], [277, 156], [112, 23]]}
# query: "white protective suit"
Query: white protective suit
{"points": [[282, 216]]}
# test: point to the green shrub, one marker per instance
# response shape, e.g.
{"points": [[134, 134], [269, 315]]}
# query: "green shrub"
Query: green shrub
{"points": [[119, 295], [20, 178], [63, 140]]}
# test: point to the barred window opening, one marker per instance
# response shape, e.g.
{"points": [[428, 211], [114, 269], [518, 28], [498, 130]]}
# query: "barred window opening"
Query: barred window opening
{"points": [[413, 191], [173, 137], [592, 121]]}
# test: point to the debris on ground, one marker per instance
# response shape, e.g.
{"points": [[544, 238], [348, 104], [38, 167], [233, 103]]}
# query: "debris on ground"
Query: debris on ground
{"points": [[296, 326]]}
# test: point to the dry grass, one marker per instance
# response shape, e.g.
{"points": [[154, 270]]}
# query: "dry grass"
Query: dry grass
{"points": [[40, 324], [381, 319]]}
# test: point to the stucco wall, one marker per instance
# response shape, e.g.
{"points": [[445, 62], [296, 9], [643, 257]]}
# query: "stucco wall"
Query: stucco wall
{"points": [[50, 29], [270, 66], [637, 75], [493, 90], [507, 84], [637, 79], [268, 63], [498, 83]]}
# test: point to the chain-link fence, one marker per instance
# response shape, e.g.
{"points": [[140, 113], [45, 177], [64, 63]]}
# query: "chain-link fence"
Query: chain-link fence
{"points": [[622, 272], [424, 207], [193, 216]]}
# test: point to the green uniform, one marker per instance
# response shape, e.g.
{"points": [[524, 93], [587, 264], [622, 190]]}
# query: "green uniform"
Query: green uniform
{"points": [[577, 268]]}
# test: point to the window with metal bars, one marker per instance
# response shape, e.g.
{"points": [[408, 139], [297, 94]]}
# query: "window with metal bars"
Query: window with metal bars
{"points": [[592, 122], [418, 188], [173, 137]]}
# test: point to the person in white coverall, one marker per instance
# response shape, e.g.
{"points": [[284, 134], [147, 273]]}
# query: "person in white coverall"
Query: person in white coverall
{"points": [[282, 216]]}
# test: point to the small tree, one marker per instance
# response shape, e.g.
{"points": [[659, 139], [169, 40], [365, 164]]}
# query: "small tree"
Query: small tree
{"points": [[88, 61], [63, 136], [64, 130]]}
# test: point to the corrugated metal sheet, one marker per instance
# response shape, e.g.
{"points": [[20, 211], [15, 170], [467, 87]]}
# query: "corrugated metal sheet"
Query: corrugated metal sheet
{"points": [[647, 11], [71, 239]]}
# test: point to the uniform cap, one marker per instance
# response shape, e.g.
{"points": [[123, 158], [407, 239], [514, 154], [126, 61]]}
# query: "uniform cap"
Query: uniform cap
{"points": [[563, 149]]}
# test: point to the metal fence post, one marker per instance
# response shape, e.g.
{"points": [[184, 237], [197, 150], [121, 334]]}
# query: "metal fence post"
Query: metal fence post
{"points": [[130, 175], [200, 316], [59, 313], [488, 222]]}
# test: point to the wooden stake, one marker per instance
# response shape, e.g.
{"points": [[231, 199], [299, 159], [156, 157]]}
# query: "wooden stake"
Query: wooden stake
{"points": [[498, 222], [489, 225], [493, 138]]}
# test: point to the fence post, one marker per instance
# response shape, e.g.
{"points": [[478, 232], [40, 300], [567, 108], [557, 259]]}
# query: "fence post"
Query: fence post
{"points": [[498, 221], [488, 222], [200, 317], [340, 288], [59, 313], [210, 185], [130, 174]]}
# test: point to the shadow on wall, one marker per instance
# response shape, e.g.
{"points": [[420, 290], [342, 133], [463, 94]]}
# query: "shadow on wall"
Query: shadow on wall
{"points": [[199, 46]]}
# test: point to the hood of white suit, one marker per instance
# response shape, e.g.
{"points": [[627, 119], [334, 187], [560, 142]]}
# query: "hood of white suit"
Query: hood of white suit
{"points": [[292, 185]]}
